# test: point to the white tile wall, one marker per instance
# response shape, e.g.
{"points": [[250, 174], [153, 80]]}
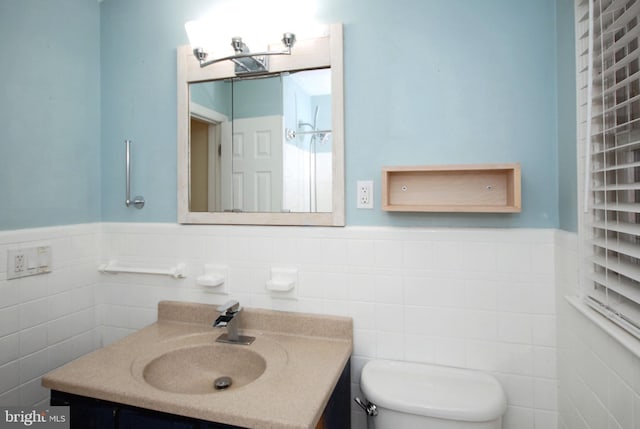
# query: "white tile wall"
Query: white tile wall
{"points": [[46, 320], [476, 298], [599, 379]]}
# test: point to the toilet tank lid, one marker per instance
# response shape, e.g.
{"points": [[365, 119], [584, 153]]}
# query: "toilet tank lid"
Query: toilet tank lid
{"points": [[433, 390]]}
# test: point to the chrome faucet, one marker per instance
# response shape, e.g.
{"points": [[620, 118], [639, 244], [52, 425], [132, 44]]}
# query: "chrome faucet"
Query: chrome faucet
{"points": [[228, 318]]}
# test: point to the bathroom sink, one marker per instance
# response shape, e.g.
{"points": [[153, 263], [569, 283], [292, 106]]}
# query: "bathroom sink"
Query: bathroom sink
{"points": [[198, 365], [283, 379], [195, 370]]}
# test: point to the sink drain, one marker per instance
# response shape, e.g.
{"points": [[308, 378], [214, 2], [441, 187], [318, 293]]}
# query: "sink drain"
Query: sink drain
{"points": [[222, 383]]}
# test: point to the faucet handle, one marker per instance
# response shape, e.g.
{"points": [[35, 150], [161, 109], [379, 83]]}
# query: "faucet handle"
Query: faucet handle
{"points": [[232, 306]]}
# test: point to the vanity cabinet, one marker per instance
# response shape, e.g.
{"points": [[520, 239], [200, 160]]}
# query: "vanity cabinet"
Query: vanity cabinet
{"points": [[91, 413]]}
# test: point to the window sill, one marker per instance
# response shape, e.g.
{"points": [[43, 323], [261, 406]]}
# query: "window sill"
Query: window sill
{"points": [[617, 333]]}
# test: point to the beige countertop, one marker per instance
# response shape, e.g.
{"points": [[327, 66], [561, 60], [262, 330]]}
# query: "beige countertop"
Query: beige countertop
{"points": [[309, 353]]}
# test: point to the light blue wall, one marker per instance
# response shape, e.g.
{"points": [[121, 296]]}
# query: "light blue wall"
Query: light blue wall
{"points": [[212, 95], [138, 40], [257, 97], [49, 113], [463, 81], [426, 82], [567, 159], [240, 99]]}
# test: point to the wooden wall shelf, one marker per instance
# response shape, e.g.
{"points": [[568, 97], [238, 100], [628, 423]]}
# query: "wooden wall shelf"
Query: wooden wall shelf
{"points": [[478, 188]]}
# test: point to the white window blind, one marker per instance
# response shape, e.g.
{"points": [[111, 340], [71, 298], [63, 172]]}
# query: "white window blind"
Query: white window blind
{"points": [[609, 87]]}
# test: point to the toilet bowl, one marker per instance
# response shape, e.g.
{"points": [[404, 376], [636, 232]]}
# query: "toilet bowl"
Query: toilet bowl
{"points": [[423, 396]]}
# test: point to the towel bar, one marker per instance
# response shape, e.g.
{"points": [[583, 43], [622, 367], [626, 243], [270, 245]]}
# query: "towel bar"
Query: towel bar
{"points": [[177, 272]]}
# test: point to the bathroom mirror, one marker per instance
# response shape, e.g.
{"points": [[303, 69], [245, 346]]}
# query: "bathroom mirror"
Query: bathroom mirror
{"points": [[263, 149]]}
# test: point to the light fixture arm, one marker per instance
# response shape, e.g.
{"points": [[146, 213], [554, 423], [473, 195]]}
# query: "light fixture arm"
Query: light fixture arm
{"points": [[242, 51], [201, 56]]}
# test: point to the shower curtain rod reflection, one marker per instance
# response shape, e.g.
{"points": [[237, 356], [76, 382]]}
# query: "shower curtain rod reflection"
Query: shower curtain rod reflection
{"points": [[291, 134]]}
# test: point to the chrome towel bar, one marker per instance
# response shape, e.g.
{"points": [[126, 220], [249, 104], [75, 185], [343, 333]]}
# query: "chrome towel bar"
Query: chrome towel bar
{"points": [[138, 201]]}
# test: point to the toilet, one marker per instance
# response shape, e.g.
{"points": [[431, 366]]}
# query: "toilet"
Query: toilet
{"points": [[405, 395]]}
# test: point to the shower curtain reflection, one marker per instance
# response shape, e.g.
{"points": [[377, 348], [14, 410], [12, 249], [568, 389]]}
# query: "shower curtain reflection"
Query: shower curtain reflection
{"points": [[308, 145]]}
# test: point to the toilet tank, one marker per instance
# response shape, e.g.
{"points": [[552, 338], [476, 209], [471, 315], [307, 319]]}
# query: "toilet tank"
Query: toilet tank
{"points": [[413, 395]]}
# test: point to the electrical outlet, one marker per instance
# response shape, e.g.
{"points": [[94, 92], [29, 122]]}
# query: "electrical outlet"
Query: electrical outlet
{"points": [[365, 194], [28, 261], [18, 263]]}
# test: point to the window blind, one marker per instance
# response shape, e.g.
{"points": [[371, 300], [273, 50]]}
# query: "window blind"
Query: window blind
{"points": [[608, 56]]}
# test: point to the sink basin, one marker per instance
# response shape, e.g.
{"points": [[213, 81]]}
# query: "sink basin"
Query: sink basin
{"points": [[194, 370], [191, 364]]}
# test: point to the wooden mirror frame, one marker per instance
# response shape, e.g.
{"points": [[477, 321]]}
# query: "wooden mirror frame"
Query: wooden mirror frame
{"points": [[322, 52]]}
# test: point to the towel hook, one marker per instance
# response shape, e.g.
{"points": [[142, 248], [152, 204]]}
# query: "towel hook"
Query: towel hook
{"points": [[138, 201]]}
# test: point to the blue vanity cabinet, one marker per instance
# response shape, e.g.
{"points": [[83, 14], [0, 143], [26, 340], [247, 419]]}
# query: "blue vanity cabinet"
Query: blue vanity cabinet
{"points": [[91, 413], [129, 418]]}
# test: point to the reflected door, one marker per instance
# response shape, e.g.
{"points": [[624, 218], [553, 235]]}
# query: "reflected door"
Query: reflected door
{"points": [[257, 164]]}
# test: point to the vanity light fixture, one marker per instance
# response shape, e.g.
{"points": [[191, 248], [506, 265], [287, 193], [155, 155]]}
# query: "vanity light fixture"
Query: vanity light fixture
{"points": [[245, 61]]}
